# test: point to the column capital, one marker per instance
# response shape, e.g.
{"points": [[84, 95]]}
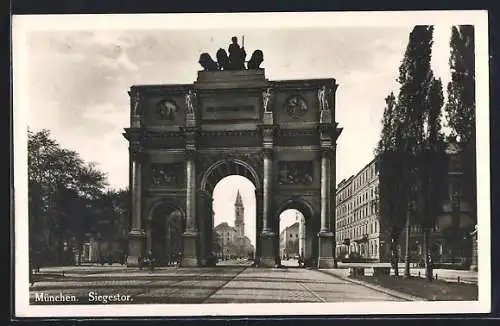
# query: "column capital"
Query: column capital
{"points": [[328, 152], [137, 152], [267, 152], [190, 154]]}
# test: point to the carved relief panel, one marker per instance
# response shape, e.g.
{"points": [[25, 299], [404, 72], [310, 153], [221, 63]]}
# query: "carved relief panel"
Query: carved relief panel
{"points": [[166, 110], [296, 106], [295, 172], [167, 174]]}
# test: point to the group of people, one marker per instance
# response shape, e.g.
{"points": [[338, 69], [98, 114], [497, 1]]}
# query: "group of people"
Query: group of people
{"points": [[150, 261]]}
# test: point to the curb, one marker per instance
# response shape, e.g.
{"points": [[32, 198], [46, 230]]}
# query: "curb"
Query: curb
{"points": [[396, 294]]}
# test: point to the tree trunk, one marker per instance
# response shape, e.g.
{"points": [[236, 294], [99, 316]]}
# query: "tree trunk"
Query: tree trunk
{"points": [[407, 248], [428, 259], [395, 256]]}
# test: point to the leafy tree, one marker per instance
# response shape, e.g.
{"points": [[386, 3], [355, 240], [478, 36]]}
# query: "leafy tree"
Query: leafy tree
{"points": [[461, 105], [409, 150], [431, 167], [61, 189], [389, 163], [416, 80]]}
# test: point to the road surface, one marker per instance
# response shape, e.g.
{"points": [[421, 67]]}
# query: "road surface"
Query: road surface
{"points": [[221, 284]]}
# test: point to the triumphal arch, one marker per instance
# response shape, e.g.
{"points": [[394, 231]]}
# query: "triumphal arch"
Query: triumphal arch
{"points": [[232, 120]]}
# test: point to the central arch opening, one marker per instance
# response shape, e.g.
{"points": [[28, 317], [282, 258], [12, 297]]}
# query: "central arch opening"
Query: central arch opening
{"points": [[234, 220], [231, 227]]}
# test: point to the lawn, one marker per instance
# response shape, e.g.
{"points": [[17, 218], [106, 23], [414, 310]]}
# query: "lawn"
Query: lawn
{"points": [[436, 290]]}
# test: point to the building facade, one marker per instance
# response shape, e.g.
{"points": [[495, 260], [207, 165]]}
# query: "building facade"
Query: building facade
{"points": [[358, 226], [289, 241], [185, 138], [357, 223]]}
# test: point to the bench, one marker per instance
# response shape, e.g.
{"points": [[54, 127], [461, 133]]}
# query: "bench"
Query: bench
{"points": [[379, 271], [356, 271]]}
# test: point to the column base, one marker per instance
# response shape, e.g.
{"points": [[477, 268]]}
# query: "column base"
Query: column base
{"points": [[326, 258], [267, 257], [190, 253], [136, 246], [473, 268]]}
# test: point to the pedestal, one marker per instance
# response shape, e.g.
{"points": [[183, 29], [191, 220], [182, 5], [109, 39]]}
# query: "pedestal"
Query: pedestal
{"points": [[325, 248], [268, 256], [136, 247], [190, 253]]}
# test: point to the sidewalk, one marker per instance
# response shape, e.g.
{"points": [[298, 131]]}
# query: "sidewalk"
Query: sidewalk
{"points": [[449, 275], [343, 273]]}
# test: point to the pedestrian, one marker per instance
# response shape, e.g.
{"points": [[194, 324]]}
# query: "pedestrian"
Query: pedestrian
{"points": [[429, 268], [301, 261], [151, 261]]}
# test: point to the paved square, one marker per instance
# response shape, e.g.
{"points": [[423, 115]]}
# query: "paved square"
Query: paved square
{"points": [[221, 284]]}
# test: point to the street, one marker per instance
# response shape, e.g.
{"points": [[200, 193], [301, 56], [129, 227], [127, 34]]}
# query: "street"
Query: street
{"points": [[221, 284]]}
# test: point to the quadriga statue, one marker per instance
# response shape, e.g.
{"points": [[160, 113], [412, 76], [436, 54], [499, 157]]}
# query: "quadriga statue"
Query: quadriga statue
{"points": [[207, 62], [255, 60]]}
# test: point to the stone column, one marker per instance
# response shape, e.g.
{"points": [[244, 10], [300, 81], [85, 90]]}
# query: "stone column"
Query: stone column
{"points": [[191, 235], [325, 178], [258, 226], [474, 263], [333, 202], [137, 234], [302, 236], [325, 236], [268, 242], [205, 221]]}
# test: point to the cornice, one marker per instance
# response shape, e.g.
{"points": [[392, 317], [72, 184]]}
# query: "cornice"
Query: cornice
{"points": [[162, 89]]}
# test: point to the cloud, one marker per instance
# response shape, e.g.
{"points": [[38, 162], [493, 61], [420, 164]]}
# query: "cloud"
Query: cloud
{"points": [[118, 62]]}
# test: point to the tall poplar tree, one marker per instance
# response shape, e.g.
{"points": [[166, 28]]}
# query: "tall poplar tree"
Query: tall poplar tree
{"points": [[431, 170], [391, 199], [415, 78], [461, 105]]}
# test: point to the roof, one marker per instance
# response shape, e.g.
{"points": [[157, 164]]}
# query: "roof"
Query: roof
{"points": [[239, 201]]}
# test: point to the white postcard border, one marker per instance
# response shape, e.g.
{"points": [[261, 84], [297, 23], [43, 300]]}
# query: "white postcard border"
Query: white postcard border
{"points": [[22, 25]]}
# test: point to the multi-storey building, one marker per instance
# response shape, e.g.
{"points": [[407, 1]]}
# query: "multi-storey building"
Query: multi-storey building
{"points": [[358, 226], [289, 241]]}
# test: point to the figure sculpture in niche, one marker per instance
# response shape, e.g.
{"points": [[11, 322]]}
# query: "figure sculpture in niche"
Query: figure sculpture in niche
{"points": [[136, 98], [266, 97], [190, 99], [207, 62], [237, 55], [222, 60], [322, 99], [255, 60]]}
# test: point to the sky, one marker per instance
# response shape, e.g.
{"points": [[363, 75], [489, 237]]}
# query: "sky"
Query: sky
{"points": [[77, 81]]}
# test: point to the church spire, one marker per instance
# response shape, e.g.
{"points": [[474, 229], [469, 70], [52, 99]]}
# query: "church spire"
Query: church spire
{"points": [[239, 201]]}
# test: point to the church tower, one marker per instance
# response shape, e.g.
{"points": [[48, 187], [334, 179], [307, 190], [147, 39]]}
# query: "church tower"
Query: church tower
{"points": [[239, 214]]}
